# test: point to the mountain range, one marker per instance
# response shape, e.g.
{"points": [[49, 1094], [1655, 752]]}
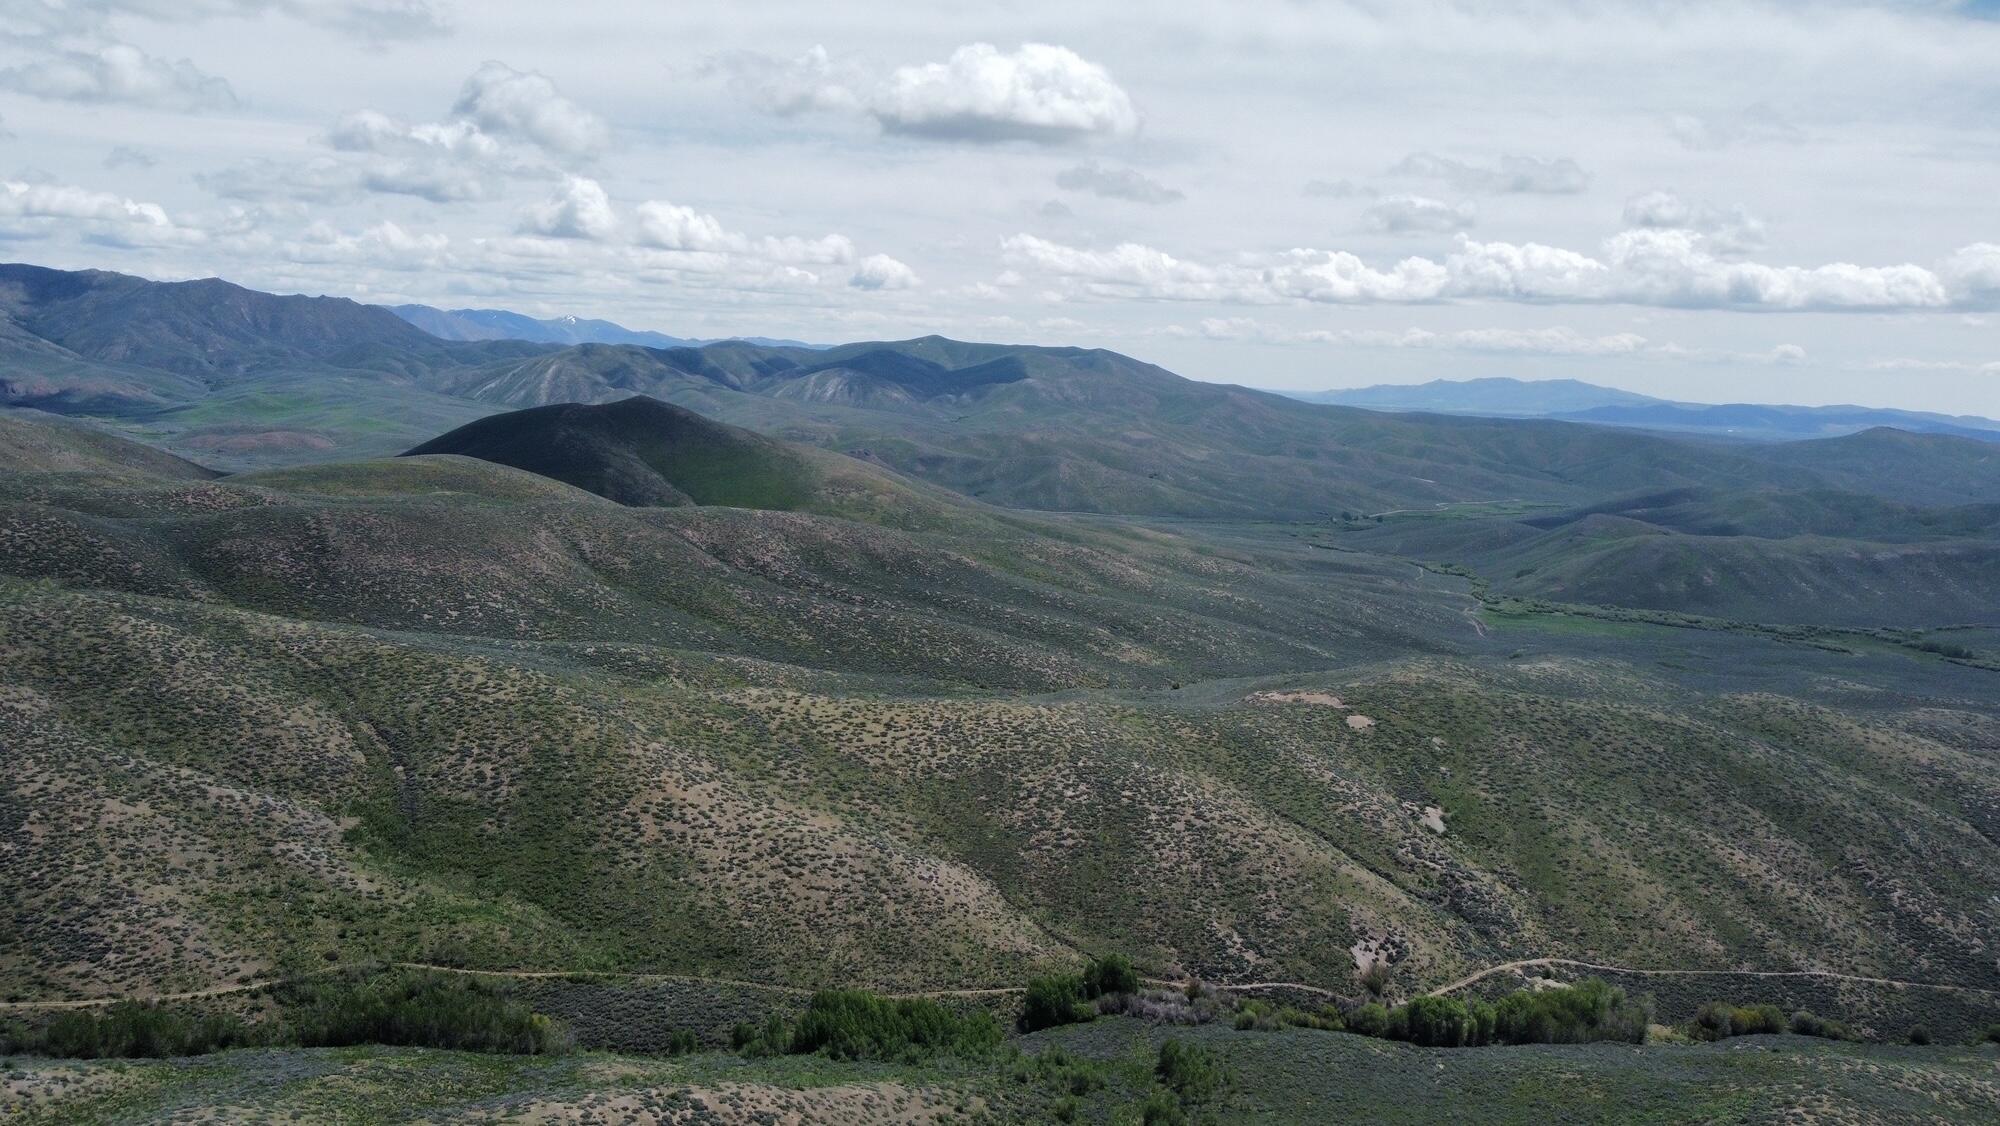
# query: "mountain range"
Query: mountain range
{"points": [[499, 324], [1576, 401]]}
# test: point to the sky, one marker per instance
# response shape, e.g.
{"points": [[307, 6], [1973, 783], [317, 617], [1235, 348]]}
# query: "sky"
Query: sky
{"points": [[1712, 202]]}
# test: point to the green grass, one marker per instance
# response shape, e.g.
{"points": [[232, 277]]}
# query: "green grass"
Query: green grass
{"points": [[1097, 1073]]}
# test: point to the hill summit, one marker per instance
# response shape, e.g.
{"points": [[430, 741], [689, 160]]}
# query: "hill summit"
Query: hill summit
{"points": [[639, 452]]}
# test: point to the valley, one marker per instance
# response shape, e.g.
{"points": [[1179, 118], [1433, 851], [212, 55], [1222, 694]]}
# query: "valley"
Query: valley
{"points": [[701, 679]]}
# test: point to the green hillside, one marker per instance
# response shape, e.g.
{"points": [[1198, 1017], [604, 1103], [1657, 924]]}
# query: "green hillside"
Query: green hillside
{"points": [[1813, 556], [1289, 1076], [485, 717]]}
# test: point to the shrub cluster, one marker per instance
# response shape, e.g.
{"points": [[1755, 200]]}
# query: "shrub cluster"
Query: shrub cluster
{"points": [[1189, 1077], [1805, 1023], [128, 1030], [404, 1008], [1264, 1016], [854, 1024], [414, 1009], [1574, 1014], [1072, 998], [1719, 1020]]}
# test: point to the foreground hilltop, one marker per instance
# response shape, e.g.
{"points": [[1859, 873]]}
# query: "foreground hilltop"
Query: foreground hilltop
{"points": [[645, 453]]}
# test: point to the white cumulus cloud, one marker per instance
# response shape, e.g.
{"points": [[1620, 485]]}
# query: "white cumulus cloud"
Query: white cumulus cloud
{"points": [[1729, 231], [1040, 93], [526, 104], [579, 208], [1657, 267], [879, 271]]}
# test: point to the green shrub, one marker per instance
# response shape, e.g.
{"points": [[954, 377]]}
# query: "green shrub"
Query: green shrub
{"points": [[1719, 1020], [1808, 1024], [1988, 1035], [133, 1030], [414, 1009], [1190, 1072], [681, 1042], [1055, 1000], [1110, 975], [1920, 1035], [1161, 1108], [1368, 1020], [773, 1038], [855, 1024], [1058, 1070], [1588, 1011]]}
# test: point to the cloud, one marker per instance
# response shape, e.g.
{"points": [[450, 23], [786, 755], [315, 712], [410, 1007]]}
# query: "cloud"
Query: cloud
{"points": [[1729, 231], [1755, 125], [104, 218], [331, 180], [1401, 214], [1559, 340], [1974, 271], [382, 246], [787, 87], [363, 19], [118, 72], [578, 209], [22, 200], [1116, 183], [125, 156], [1512, 175], [1666, 268], [506, 123], [526, 104], [670, 226], [1040, 93], [879, 271], [673, 227]]}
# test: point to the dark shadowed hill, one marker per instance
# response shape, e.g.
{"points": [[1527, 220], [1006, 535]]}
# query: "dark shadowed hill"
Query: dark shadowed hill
{"points": [[645, 453], [638, 452]]}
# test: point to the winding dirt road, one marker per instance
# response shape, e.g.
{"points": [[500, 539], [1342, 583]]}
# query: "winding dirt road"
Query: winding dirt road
{"points": [[994, 991]]}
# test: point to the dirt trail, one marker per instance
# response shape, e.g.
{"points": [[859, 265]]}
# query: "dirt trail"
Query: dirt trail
{"points": [[1827, 975], [993, 991]]}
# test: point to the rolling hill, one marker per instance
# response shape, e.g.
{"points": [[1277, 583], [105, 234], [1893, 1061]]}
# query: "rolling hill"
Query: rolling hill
{"points": [[437, 708], [500, 324], [1817, 557], [1576, 401], [241, 380], [1494, 395]]}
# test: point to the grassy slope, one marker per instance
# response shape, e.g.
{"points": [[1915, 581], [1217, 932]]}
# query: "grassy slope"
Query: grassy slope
{"points": [[1818, 557], [483, 716], [1290, 1076], [37, 446]]}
